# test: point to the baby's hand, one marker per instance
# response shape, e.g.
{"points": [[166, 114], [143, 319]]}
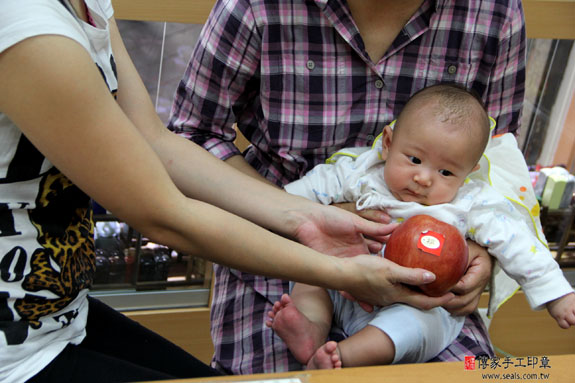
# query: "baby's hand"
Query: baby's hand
{"points": [[563, 310]]}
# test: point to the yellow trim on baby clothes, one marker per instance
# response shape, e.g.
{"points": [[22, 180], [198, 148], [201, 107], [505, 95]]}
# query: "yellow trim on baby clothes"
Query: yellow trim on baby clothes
{"points": [[490, 316], [517, 202], [332, 160]]}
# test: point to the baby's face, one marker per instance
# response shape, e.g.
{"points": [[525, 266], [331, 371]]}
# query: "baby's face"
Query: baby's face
{"points": [[425, 162]]}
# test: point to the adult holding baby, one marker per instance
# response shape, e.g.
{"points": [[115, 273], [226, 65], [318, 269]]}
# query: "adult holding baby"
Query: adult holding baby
{"points": [[303, 79]]}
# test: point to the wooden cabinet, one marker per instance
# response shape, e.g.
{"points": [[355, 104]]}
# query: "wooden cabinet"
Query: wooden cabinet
{"points": [[515, 330], [188, 328], [519, 331], [545, 19]]}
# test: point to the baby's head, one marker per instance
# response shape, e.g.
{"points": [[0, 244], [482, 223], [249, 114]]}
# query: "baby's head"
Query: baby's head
{"points": [[437, 140]]}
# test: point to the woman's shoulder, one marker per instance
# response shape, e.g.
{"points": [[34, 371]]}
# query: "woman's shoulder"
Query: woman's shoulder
{"points": [[20, 20]]}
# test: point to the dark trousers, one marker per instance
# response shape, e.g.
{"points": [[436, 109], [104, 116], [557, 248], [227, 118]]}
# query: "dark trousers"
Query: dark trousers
{"points": [[117, 349]]}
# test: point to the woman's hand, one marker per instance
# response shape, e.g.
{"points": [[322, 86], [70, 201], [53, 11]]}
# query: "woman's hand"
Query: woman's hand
{"points": [[470, 287], [382, 282], [337, 232], [374, 215]]}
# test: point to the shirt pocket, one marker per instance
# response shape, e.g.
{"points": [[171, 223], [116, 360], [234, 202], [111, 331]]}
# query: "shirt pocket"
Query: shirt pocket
{"points": [[462, 72]]}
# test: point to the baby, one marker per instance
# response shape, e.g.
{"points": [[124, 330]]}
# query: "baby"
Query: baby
{"points": [[419, 166]]}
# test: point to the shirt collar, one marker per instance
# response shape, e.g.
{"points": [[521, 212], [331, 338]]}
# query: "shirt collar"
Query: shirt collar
{"points": [[341, 20]]}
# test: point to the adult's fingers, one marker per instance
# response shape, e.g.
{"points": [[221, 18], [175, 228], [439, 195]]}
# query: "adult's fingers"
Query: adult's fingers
{"points": [[373, 246], [470, 287], [374, 215], [422, 301], [462, 305], [410, 276]]}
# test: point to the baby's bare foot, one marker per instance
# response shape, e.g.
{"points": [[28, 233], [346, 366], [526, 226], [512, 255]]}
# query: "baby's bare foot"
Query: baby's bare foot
{"points": [[326, 357], [299, 333]]}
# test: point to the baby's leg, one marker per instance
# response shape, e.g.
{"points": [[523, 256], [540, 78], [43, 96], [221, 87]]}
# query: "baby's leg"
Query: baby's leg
{"points": [[417, 335], [302, 320], [368, 347]]}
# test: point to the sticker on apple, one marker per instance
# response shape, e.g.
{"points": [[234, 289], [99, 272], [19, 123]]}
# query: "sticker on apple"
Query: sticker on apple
{"points": [[430, 242]]}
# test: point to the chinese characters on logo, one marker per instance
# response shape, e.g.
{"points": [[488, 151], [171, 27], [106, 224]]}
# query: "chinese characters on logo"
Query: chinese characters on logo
{"points": [[484, 362]]}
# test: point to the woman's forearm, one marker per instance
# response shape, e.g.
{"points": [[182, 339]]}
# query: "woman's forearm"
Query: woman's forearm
{"points": [[212, 233], [101, 151], [238, 162], [198, 174]]}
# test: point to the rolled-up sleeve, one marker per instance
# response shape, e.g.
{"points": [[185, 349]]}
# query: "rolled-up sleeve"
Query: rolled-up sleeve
{"points": [[220, 80]]}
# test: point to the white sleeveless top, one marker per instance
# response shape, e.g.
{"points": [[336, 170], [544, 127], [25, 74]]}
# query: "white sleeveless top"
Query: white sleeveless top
{"points": [[46, 238]]}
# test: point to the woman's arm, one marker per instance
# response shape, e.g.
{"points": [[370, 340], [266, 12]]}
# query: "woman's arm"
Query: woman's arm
{"points": [[190, 166], [51, 89], [272, 208]]}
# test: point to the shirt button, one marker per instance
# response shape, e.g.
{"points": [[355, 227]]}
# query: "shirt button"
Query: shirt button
{"points": [[378, 84], [310, 65], [452, 69]]}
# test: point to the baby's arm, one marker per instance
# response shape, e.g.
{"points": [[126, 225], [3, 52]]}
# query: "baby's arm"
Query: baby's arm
{"points": [[497, 224], [563, 310], [324, 183], [337, 181]]}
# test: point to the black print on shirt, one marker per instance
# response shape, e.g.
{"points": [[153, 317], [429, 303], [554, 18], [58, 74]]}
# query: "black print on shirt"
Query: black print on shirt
{"points": [[7, 227], [12, 265], [14, 332], [26, 163], [66, 318], [62, 263]]}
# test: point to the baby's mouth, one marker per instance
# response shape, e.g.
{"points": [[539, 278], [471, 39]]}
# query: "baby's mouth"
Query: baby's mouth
{"points": [[412, 193]]}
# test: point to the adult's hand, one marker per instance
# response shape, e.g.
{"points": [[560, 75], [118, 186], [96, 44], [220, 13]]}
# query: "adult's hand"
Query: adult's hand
{"points": [[345, 231], [381, 282], [470, 287], [373, 215], [337, 232]]}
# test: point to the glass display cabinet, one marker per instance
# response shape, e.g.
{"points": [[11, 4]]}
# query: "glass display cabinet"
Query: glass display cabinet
{"points": [[133, 273]]}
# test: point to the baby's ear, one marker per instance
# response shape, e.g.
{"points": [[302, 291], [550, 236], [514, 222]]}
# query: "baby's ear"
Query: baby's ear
{"points": [[386, 141]]}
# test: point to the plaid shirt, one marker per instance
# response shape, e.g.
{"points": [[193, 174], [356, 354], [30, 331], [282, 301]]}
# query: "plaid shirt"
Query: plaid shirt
{"points": [[297, 80]]}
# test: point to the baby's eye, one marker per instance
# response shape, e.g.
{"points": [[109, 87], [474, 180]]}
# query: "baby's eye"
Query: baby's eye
{"points": [[445, 173], [415, 160]]}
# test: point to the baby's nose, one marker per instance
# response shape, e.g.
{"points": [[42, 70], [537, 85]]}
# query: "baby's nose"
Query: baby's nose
{"points": [[422, 178]]}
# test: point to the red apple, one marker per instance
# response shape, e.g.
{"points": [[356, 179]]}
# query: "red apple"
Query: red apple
{"points": [[425, 242]]}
